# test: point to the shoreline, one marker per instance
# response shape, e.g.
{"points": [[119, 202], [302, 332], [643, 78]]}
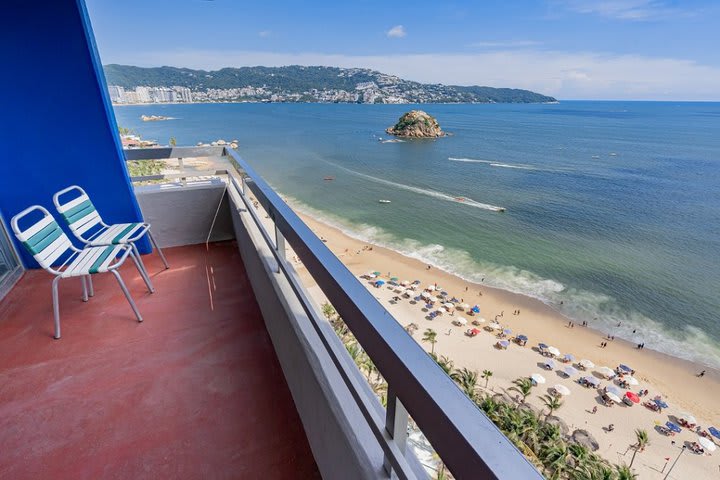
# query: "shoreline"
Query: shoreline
{"points": [[675, 380], [541, 322]]}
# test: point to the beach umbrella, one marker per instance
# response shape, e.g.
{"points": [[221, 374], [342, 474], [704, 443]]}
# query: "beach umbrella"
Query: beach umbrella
{"points": [[561, 389], [631, 380], [405, 282], [377, 274], [440, 310], [444, 293], [594, 381], [613, 389], [504, 343], [550, 364], [613, 397], [448, 305], [522, 338], [553, 351], [570, 371], [586, 363], [460, 321], [379, 283], [606, 372], [671, 426], [507, 331], [569, 357], [464, 306], [633, 397], [394, 279], [624, 368], [431, 288], [537, 378], [714, 432], [480, 320], [495, 326], [660, 403], [707, 444], [688, 418], [476, 309], [416, 282]]}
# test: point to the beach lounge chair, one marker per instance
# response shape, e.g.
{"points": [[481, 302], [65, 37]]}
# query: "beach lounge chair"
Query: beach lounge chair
{"points": [[88, 227], [48, 244]]}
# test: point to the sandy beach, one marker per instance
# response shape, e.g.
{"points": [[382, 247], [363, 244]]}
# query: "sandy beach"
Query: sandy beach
{"points": [[674, 379]]}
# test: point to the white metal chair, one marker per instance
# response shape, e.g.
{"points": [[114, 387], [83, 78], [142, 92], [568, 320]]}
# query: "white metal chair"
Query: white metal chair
{"points": [[48, 244], [88, 227]]}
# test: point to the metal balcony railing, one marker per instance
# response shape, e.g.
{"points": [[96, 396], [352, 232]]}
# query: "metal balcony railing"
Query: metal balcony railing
{"points": [[469, 444]]}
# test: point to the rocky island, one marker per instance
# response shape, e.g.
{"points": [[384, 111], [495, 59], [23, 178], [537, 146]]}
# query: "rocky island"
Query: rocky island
{"points": [[416, 124], [154, 118]]}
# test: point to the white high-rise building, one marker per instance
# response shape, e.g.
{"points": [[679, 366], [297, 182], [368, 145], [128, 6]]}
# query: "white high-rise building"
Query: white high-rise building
{"points": [[117, 94], [182, 94], [143, 94]]}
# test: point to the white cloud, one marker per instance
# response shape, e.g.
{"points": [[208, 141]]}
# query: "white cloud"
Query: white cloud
{"points": [[623, 9], [561, 74], [398, 31], [264, 33], [504, 44]]}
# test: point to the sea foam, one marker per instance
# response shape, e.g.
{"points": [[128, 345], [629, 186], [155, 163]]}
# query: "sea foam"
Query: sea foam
{"points": [[601, 311]]}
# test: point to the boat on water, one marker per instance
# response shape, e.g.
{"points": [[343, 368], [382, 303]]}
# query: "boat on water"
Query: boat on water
{"points": [[613, 154], [328, 178], [460, 199], [383, 201]]}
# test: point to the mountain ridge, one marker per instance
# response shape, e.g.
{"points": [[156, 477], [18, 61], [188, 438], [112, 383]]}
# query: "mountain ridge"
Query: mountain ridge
{"points": [[315, 83]]}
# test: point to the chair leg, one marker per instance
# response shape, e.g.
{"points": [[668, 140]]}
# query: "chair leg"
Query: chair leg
{"points": [[162, 256], [127, 295], [56, 306], [90, 286], [85, 290], [141, 268]]}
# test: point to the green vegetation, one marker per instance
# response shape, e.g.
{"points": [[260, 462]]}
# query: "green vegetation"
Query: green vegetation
{"points": [[143, 168], [295, 79], [430, 336]]}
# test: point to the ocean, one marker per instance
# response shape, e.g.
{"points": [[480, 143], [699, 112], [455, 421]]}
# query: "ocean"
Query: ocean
{"points": [[612, 208]]}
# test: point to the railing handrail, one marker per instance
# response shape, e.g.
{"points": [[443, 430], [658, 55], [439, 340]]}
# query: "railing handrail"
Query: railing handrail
{"points": [[469, 444]]}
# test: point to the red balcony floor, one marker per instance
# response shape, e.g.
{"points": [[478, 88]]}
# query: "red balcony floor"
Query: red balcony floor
{"points": [[195, 391]]}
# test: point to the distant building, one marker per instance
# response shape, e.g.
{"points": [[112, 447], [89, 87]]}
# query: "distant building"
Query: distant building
{"points": [[117, 94], [143, 94]]}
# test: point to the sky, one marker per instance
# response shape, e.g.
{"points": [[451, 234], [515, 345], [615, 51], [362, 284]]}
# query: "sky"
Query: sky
{"points": [[570, 49]]}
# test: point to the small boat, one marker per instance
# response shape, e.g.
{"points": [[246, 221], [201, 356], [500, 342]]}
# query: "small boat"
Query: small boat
{"points": [[383, 201], [460, 199], [596, 156], [328, 178], [613, 154]]}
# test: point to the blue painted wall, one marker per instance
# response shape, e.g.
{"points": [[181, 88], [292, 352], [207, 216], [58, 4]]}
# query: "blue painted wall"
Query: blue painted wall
{"points": [[57, 127]]}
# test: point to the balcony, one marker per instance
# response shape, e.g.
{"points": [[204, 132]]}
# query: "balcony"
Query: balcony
{"points": [[235, 372], [196, 391]]}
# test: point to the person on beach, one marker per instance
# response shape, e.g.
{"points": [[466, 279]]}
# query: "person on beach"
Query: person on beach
{"points": [[594, 410], [701, 374]]}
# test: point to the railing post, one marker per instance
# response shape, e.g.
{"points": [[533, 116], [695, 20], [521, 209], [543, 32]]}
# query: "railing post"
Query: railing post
{"points": [[396, 424], [279, 246], [183, 180]]}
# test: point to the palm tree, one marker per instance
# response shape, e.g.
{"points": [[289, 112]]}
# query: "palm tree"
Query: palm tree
{"points": [[328, 310], [522, 386], [625, 473], [172, 142], [642, 441], [467, 380], [354, 350], [368, 365], [430, 337], [486, 374], [551, 402], [445, 363], [555, 457]]}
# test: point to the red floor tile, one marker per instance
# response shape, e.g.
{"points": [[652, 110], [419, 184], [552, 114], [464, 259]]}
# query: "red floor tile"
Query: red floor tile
{"points": [[195, 391]]}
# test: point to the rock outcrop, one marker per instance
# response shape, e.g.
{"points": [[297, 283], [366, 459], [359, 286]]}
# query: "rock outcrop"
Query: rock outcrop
{"points": [[416, 124]]}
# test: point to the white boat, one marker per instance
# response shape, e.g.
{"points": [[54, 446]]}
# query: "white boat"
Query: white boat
{"points": [[384, 201]]}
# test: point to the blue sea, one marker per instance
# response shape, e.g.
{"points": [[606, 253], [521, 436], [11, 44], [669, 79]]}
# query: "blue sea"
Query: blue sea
{"points": [[612, 208]]}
